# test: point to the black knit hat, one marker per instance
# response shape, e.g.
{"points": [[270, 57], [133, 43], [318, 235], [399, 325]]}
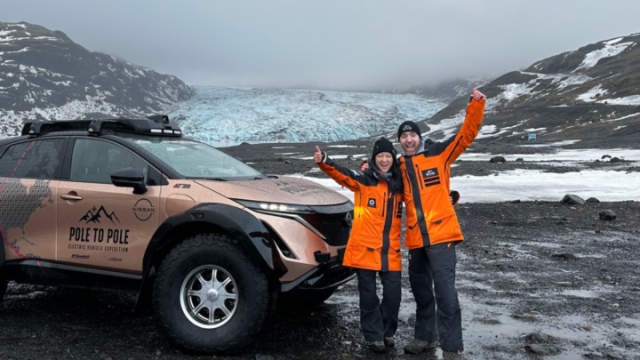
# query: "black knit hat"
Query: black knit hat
{"points": [[383, 145], [409, 126]]}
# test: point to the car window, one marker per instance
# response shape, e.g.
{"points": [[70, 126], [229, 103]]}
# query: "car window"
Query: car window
{"points": [[197, 160], [95, 161], [36, 159]]}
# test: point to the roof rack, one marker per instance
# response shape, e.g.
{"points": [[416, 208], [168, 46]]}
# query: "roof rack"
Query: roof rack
{"points": [[156, 125]]}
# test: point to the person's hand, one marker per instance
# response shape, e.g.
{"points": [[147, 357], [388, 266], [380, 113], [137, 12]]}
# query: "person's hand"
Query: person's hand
{"points": [[317, 157], [477, 95], [451, 199], [364, 166]]}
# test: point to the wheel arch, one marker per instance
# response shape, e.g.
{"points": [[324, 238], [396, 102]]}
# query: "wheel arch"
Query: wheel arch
{"points": [[232, 221]]}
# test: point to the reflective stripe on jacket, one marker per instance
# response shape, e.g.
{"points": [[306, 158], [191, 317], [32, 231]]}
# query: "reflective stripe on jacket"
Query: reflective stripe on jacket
{"points": [[374, 243], [430, 215]]}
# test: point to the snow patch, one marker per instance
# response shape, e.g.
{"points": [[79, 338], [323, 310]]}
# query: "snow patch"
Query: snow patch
{"points": [[591, 94], [611, 48], [529, 185]]}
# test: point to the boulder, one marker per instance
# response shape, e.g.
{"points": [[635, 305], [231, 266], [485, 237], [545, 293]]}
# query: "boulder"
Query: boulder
{"points": [[572, 199], [564, 256], [607, 215], [615, 160], [519, 159], [542, 349], [498, 159], [593, 200], [605, 156]]}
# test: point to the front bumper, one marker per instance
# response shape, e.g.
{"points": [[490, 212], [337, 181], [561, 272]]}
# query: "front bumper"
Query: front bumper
{"points": [[330, 274]]}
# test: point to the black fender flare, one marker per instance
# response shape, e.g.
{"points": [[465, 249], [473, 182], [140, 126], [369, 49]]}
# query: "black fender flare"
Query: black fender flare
{"points": [[234, 221]]}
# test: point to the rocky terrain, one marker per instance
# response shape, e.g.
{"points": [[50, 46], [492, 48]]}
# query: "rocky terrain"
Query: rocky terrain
{"points": [[591, 95], [537, 280], [45, 75]]}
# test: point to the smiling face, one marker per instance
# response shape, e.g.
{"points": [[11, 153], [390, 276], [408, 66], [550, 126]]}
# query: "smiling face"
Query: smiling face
{"points": [[410, 142], [384, 160]]}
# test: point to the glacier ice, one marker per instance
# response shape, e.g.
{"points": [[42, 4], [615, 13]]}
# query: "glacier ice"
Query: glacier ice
{"points": [[230, 115]]}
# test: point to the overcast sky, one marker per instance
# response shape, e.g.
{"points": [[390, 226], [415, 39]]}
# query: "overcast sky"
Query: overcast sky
{"points": [[330, 44]]}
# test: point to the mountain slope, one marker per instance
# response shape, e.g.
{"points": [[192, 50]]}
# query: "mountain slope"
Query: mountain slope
{"points": [[45, 75], [590, 95]]}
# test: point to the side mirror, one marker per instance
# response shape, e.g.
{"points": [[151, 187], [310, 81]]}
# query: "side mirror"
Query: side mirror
{"points": [[129, 177]]}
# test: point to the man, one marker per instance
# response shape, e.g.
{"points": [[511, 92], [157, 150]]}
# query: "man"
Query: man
{"points": [[433, 231]]}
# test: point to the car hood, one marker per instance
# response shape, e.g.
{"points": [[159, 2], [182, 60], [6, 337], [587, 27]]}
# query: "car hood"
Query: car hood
{"points": [[285, 190]]}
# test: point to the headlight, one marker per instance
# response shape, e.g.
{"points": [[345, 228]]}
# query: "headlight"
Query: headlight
{"points": [[275, 207], [284, 210]]}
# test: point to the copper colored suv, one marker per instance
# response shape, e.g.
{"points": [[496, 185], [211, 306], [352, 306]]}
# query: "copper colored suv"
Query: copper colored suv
{"points": [[131, 205]]}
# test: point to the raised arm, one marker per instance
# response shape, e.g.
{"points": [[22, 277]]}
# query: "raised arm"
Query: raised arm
{"points": [[454, 146], [343, 176]]}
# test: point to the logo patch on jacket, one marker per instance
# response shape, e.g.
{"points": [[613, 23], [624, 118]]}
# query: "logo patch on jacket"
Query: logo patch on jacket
{"points": [[371, 203], [430, 177]]}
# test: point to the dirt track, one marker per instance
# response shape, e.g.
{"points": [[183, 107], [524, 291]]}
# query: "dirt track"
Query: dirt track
{"points": [[516, 275]]}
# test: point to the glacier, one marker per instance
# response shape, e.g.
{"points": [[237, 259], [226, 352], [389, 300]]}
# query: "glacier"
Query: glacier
{"points": [[225, 116]]}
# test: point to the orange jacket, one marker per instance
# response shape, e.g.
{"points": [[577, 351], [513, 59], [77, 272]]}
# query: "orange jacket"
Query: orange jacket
{"points": [[430, 215], [374, 243]]}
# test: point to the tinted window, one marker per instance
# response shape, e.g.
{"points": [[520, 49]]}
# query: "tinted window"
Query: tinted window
{"points": [[95, 161], [37, 159]]}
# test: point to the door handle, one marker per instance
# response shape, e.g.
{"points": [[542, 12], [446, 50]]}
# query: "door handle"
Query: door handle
{"points": [[70, 197]]}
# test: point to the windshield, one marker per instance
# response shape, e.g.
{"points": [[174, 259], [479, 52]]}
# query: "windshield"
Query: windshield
{"points": [[197, 160]]}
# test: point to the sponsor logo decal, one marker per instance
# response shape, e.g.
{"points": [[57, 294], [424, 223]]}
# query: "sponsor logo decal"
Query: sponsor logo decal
{"points": [[371, 203], [143, 209], [182, 186], [76, 256], [98, 239]]}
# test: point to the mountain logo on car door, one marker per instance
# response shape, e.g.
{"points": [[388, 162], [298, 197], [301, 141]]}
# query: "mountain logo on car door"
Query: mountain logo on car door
{"points": [[94, 216]]}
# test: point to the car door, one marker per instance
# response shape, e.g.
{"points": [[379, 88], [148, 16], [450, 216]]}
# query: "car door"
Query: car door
{"points": [[28, 180], [99, 224]]}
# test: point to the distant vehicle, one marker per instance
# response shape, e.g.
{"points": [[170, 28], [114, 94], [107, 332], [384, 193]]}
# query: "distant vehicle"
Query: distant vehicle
{"points": [[131, 205]]}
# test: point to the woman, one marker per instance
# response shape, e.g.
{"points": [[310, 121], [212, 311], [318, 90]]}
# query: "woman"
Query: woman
{"points": [[374, 243]]}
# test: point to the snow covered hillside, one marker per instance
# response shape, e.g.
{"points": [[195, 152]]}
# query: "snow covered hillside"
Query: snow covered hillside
{"points": [[45, 75], [590, 95], [227, 115]]}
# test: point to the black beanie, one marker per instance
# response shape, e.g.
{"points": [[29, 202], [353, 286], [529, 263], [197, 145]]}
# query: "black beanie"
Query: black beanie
{"points": [[383, 145], [409, 126]]}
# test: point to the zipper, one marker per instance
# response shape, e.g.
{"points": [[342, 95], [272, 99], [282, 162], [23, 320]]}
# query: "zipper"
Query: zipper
{"points": [[360, 204], [419, 176], [406, 174], [384, 202]]}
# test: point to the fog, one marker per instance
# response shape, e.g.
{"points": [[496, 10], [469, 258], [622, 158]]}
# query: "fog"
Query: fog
{"points": [[330, 44]]}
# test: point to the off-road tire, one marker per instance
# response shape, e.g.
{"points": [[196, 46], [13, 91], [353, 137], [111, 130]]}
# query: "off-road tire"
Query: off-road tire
{"points": [[252, 306], [304, 298]]}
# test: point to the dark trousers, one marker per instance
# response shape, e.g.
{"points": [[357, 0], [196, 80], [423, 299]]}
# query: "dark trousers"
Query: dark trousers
{"points": [[379, 319], [434, 268]]}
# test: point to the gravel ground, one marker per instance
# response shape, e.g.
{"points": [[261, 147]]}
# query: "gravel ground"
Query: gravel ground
{"points": [[551, 270], [535, 279]]}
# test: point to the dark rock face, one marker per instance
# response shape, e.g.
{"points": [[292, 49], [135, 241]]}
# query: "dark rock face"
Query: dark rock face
{"points": [[498, 159], [45, 75], [593, 200], [607, 215], [590, 95], [572, 199]]}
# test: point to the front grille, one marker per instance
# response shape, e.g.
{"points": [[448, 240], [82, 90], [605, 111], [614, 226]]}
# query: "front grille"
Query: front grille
{"points": [[334, 227]]}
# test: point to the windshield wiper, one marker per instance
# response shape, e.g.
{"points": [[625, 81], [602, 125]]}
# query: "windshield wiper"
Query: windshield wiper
{"points": [[217, 179]]}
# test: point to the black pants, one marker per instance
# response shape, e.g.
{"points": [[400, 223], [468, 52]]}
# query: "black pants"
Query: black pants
{"points": [[379, 319], [429, 266]]}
